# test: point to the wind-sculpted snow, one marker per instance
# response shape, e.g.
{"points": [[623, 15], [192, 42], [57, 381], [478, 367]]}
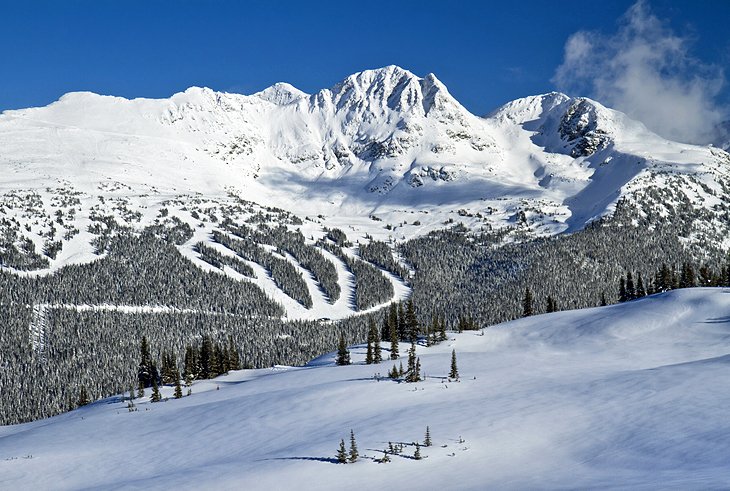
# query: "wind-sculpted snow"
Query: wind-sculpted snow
{"points": [[626, 396]]}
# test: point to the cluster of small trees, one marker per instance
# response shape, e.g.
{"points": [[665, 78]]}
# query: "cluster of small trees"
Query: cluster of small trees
{"points": [[401, 324], [413, 372], [345, 457], [528, 304], [374, 354], [666, 278], [208, 361]]}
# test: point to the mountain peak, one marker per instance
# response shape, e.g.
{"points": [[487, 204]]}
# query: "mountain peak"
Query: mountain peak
{"points": [[281, 93], [528, 108], [392, 88]]}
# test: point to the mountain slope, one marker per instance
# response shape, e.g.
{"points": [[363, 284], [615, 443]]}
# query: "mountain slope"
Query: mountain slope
{"points": [[621, 396], [382, 143]]}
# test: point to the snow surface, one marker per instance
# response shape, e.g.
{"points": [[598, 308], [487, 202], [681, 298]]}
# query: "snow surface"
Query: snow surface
{"points": [[630, 396]]}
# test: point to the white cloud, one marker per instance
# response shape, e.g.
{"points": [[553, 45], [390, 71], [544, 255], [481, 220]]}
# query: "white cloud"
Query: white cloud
{"points": [[645, 70]]}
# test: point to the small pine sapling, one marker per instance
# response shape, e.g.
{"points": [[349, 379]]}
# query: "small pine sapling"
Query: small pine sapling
{"points": [[178, 388], [342, 453], [156, 396], [354, 454]]}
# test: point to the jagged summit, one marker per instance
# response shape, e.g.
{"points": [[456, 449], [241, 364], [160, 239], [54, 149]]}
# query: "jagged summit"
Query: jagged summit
{"points": [[389, 88]]}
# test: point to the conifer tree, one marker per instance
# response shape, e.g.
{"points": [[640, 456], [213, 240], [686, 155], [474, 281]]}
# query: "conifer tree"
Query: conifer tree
{"points": [[131, 393], [460, 324], [369, 353], [147, 371], [216, 362], [342, 453], [234, 358], [427, 440], [401, 322], [665, 279], [454, 373], [551, 305], [434, 329], [630, 288], [353, 448], [190, 366], [83, 397], [140, 389], [156, 396], [394, 340], [706, 276], [393, 373], [442, 329], [411, 322], [687, 279], [400, 370], [622, 296], [385, 328], [417, 452], [603, 299], [650, 287], [411, 371], [343, 354], [377, 352], [640, 290], [206, 358], [178, 387], [527, 303]]}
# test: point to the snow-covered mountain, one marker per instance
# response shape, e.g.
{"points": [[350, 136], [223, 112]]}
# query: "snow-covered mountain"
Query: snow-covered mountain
{"points": [[626, 396], [383, 154]]}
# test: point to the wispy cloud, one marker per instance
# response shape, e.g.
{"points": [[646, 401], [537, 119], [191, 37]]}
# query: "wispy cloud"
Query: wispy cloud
{"points": [[646, 70]]}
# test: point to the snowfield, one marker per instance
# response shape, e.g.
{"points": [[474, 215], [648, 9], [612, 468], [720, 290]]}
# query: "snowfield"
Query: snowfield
{"points": [[629, 396]]}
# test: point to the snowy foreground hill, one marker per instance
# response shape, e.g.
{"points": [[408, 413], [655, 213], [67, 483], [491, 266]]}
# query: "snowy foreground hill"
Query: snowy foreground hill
{"points": [[628, 396]]}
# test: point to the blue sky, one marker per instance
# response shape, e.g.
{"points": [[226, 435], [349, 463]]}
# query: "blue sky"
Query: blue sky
{"points": [[486, 52]]}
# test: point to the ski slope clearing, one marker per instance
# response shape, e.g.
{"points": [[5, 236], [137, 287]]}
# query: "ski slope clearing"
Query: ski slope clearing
{"points": [[629, 396]]}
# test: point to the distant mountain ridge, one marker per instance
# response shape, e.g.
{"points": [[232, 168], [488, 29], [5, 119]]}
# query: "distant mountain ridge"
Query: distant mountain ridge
{"points": [[375, 154]]}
